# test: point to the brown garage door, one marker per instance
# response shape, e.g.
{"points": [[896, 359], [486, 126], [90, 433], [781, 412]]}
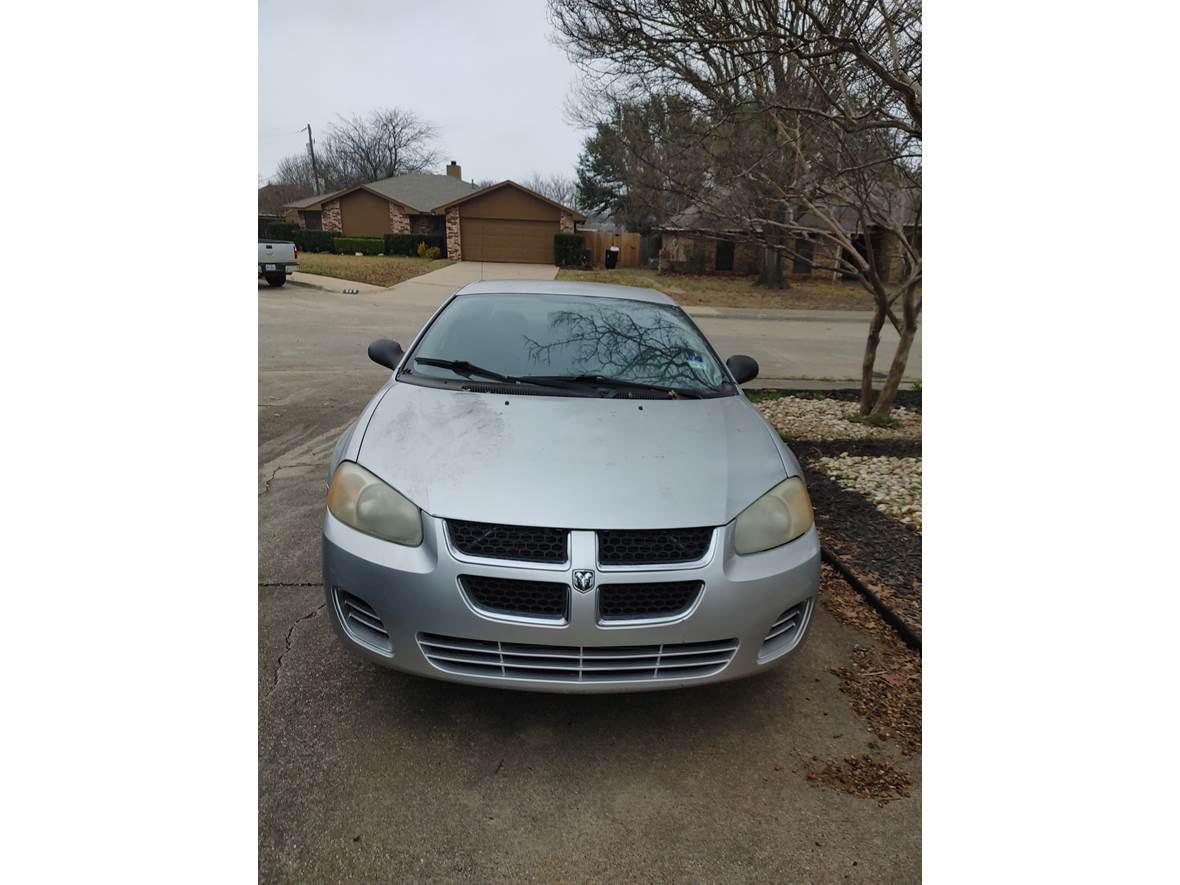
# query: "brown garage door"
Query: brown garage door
{"points": [[503, 239]]}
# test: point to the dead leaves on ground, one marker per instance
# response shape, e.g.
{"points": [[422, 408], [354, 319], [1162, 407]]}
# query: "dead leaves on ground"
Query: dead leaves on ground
{"points": [[883, 683], [864, 777]]}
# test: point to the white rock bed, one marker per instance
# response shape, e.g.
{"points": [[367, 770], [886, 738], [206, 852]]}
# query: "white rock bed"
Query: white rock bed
{"points": [[824, 419], [893, 485]]}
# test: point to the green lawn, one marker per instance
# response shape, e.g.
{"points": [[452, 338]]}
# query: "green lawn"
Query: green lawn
{"points": [[378, 270], [733, 291]]}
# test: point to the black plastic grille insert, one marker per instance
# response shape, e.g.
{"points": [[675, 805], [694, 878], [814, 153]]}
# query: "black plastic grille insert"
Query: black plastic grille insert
{"points": [[537, 599], [508, 541], [648, 547], [621, 602]]}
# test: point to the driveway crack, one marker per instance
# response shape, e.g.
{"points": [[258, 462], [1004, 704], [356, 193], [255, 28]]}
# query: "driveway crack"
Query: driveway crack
{"points": [[275, 472], [287, 645]]}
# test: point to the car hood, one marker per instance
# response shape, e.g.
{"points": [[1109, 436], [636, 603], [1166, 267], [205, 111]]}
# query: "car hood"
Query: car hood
{"points": [[572, 462]]}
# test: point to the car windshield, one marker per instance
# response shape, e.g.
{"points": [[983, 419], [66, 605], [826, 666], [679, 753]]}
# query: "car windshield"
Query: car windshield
{"points": [[568, 337]]}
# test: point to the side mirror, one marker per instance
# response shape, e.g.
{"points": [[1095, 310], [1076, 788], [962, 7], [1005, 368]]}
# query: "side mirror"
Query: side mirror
{"points": [[385, 352], [743, 368]]}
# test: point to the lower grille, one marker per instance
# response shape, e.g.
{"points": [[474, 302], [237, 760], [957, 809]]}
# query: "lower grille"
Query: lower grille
{"points": [[622, 602], [526, 543], [581, 664], [784, 632], [651, 547], [361, 622], [538, 599]]}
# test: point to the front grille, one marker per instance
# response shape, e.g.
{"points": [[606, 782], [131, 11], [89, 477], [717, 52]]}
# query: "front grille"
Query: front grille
{"points": [[362, 622], [620, 602], [648, 547], [784, 631], [581, 664], [508, 541], [539, 599]]}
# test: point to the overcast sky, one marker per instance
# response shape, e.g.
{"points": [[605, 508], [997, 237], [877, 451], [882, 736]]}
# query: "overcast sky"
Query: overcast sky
{"points": [[485, 73]]}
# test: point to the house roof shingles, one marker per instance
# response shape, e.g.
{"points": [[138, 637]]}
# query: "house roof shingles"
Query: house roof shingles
{"points": [[417, 190]]}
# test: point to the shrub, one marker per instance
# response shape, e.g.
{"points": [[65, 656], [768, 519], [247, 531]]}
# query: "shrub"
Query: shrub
{"points": [[430, 253], [567, 249], [282, 230], [400, 244], [407, 244], [365, 245], [318, 240]]}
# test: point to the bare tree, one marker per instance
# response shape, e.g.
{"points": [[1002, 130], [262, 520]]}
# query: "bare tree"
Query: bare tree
{"points": [[559, 188], [358, 150], [812, 129], [294, 171], [387, 142]]}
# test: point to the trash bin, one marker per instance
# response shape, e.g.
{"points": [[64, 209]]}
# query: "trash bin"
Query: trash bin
{"points": [[612, 257]]}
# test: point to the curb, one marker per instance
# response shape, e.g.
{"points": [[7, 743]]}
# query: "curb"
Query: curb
{"points": [[887, 614]]}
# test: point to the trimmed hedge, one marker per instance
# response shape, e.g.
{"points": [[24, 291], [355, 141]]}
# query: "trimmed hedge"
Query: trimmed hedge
{"points": [[318, 240], [364, 245], [407, 244], [282, 230], [567, 249]]}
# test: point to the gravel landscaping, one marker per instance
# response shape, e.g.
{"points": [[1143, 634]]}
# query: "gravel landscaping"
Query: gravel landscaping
{"points": [[893, 485], [817, 417], [865, 484]]}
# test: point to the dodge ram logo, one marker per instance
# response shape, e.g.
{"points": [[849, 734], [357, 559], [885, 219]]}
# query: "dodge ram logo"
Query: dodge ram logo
{"points": [[583, 580]]}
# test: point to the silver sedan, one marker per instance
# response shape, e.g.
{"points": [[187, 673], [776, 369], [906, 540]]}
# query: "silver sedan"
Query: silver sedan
{"points": [[561, 487]]}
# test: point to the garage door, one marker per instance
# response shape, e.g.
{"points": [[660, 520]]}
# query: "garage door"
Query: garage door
{"points": [[503, 239]]}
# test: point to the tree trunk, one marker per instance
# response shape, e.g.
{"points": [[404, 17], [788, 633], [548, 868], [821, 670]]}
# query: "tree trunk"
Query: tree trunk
{"points": [[870, 359], [885, 401], [771, 276]]}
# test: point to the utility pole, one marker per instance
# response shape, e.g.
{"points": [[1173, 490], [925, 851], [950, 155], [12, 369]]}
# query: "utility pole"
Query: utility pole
{"points": [[315, 174]]}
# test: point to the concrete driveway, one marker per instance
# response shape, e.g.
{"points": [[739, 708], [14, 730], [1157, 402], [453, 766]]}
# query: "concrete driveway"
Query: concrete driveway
{"points": [[369, 775]]}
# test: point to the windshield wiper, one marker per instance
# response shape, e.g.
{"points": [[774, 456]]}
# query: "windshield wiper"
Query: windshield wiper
{"points": [[619, 383], [462, 367]]}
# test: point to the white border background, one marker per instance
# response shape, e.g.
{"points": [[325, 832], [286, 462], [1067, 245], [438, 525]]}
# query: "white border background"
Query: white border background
{"points": [[130, 365], [129, 655]]}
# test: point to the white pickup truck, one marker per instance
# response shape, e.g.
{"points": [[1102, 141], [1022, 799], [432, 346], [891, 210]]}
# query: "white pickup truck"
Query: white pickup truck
{"points": [[276, 259]]}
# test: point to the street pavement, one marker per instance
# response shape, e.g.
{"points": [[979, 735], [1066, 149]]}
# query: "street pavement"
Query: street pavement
{"points": [[370, 775]]}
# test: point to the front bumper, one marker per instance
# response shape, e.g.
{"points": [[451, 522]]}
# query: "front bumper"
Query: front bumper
{"points": [[416, 594]]}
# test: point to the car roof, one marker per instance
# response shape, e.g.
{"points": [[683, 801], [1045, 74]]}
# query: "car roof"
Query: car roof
{"points": [[564, 287]]}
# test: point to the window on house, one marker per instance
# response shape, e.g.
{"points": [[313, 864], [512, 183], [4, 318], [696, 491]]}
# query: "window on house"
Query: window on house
{"points": [[313, 220], [804, 252], [724, 260]]}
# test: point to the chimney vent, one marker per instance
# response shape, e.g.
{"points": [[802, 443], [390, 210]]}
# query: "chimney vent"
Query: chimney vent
{"points": [[454, 170]]}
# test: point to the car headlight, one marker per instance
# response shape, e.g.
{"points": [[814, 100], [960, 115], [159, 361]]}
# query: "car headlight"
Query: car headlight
{"points": [[359, 499], [781, 515]]}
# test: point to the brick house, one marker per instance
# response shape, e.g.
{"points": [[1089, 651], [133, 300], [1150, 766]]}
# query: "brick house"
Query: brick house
{"points": [[697, 241], [501, 222]]}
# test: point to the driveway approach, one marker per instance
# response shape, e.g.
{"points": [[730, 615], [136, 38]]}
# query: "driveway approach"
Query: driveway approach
{"points": [[369, 775]]}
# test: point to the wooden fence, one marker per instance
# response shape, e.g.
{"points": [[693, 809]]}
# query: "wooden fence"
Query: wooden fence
{"points": [[597, 241]]}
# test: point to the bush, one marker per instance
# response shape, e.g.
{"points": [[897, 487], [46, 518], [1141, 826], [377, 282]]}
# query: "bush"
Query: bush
{"points": [[365, 245], [567, 249], [400, 244], [407, 244], [430, 253], [282, 230], [318, 240]]}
